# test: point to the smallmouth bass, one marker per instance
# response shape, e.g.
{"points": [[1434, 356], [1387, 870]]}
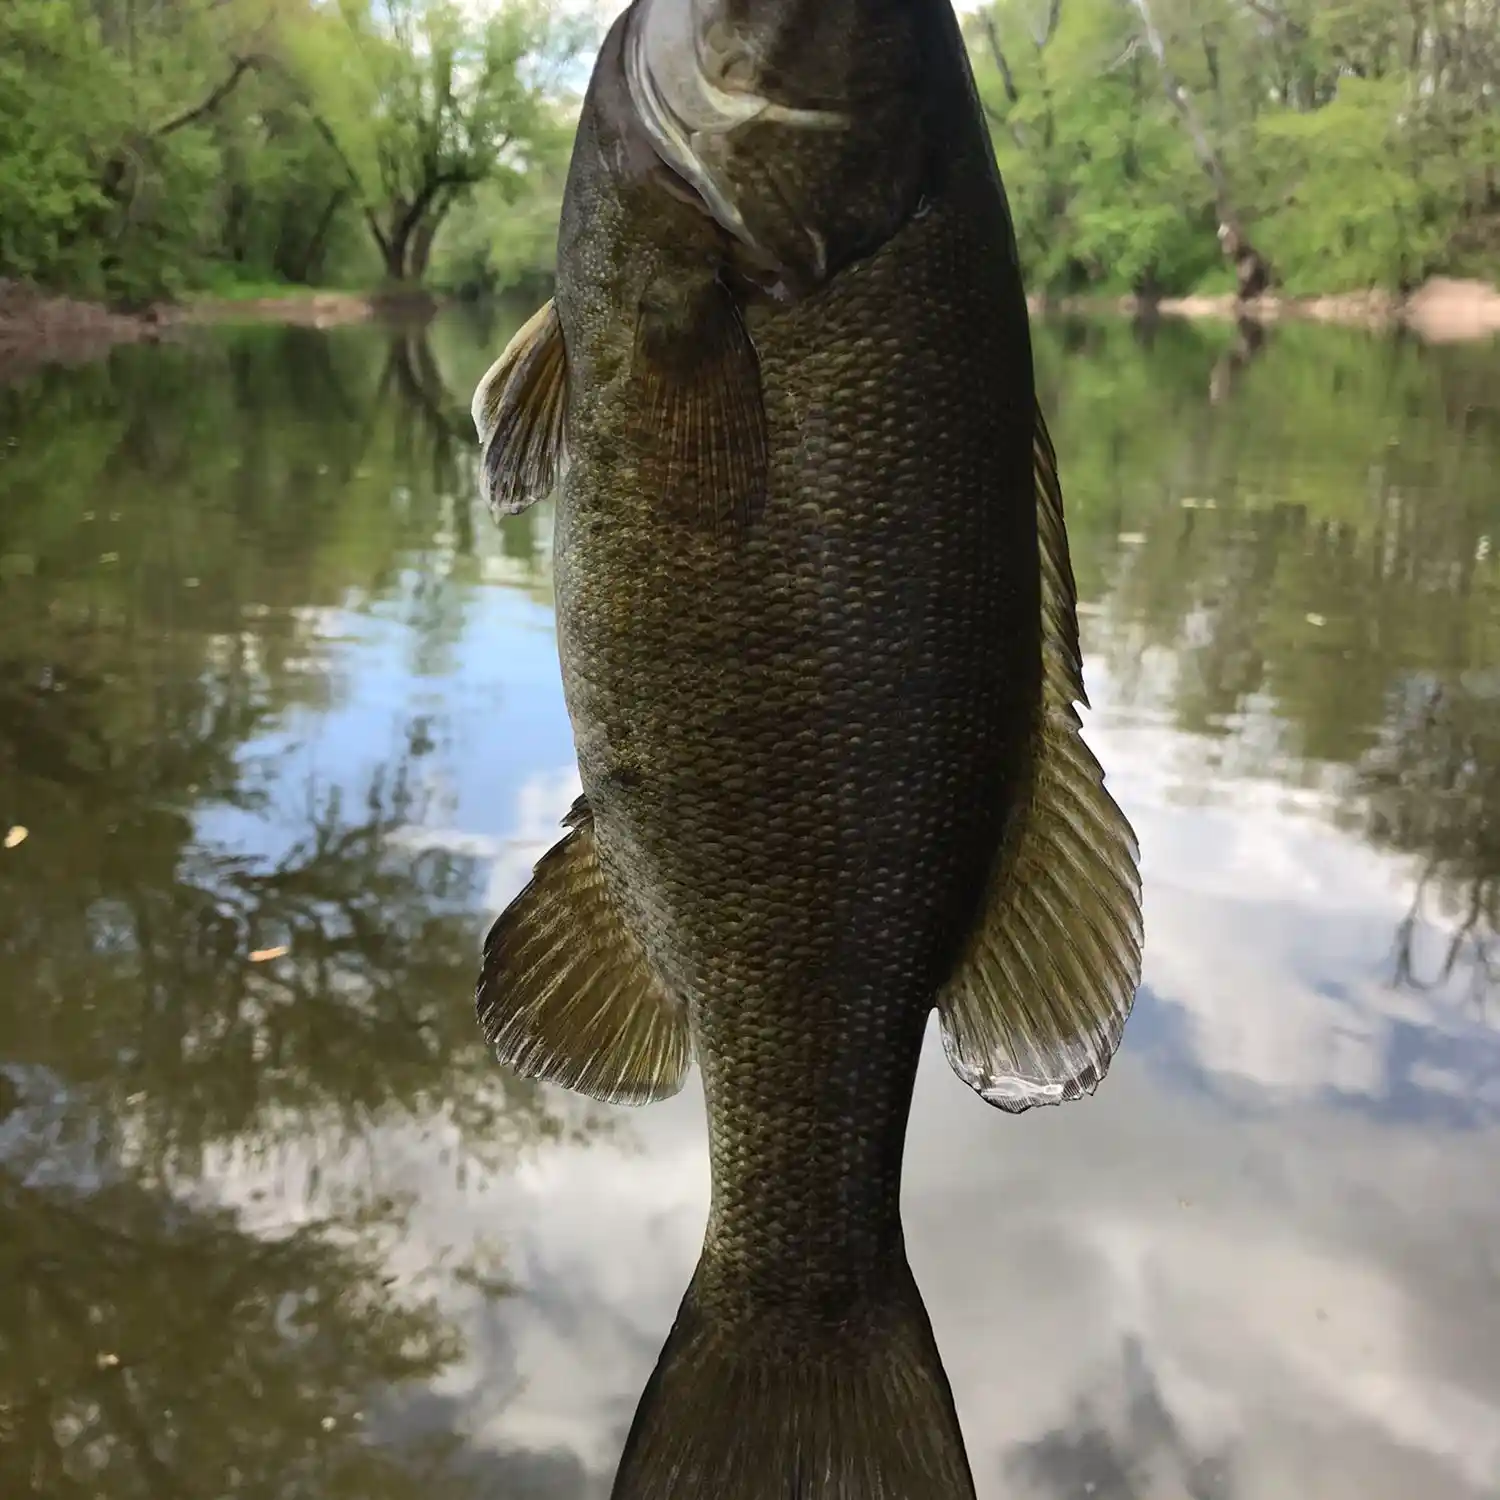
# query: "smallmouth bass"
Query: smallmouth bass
{"points": [[818, 636]]}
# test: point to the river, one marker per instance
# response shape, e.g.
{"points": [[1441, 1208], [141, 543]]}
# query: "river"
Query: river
{"points": [[281, 729]]}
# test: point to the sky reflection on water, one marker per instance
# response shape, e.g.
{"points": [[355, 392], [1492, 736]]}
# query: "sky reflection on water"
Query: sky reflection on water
{"points": [[267, 677]]}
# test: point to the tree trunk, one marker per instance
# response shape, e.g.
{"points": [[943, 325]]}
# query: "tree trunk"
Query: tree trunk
{"points": [[1252, 270], [426, 234], [302, 265], [394, 251]]}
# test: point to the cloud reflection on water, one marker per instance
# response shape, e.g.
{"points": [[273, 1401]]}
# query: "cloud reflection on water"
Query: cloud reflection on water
{"points": [[1263, 1261]]}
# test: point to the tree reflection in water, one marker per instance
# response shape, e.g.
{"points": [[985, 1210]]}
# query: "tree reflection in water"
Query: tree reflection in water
{"points": [[175, 548], [153, 1348], [1286, 555], [1432, 789]]}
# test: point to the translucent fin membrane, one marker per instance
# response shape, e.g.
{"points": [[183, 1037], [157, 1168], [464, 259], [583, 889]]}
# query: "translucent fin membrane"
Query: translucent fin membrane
{"points": [[565, 993], [520, 411], [1037, 1007]]}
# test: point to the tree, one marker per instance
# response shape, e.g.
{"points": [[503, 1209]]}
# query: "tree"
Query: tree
{"points": [[1100, 180], [505, 237], [151, 148], [1348, 144], [422, 103], [1252, 272]]}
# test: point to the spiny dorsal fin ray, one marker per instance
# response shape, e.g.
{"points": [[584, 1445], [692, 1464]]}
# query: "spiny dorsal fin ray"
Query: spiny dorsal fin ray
{"points": [[1037, 1005], [565, 992], [520, 410]]}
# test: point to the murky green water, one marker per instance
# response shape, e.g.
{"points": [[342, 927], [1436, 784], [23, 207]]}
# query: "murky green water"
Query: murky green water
{"points": [[276, 1227]]}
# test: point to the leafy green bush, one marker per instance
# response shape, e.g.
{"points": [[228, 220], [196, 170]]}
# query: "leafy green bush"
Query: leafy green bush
{"points": [[1356, 202]]}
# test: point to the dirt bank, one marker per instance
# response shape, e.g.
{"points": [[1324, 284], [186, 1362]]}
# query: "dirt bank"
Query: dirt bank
{"points": [[1442, 310], [39, 329], [315, 310]]}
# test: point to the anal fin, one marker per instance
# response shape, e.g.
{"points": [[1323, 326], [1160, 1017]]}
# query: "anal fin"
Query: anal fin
{"points": [[520, 411], [565, 992], [1037, 1005]]}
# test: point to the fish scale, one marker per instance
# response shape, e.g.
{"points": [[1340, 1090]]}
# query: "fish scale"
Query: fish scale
{"points": [[818, 641]]}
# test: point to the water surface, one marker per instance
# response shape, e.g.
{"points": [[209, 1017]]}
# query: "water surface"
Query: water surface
{"points": [[272, 1224]]}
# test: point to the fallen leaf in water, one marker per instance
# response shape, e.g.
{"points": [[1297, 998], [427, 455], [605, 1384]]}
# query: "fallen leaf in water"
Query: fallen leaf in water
{"points": [[1316, 620], [265, 955], [17, 835]]}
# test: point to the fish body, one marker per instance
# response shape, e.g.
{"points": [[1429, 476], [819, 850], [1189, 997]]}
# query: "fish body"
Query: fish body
{"points": [[816, 627]]}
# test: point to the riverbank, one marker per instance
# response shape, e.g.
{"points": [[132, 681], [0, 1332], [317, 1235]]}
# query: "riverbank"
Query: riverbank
{"points": [[302, 309], [1443, 310], [38, 328]]}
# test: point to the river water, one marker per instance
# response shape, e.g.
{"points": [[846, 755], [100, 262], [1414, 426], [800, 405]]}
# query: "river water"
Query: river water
{"points": [[273, 1224]]}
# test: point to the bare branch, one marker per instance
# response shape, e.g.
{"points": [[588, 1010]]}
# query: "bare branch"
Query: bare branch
{"points": [[215, 98], [1253, 271], [1182, 102], [992, 39]]}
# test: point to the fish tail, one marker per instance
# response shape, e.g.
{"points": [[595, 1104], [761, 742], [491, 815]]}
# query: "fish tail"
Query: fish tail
{"points": [[861, 1410]]}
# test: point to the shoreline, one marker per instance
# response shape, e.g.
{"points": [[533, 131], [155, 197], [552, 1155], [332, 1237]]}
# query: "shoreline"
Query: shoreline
{"points": [[1443, 310], [38, 328]]}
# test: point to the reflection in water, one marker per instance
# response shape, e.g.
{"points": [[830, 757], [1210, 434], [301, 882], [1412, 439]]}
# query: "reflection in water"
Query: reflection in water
{"points": [[156, 1349], [1249, 340], [275, 1225], [1134, 1451], [188, 551], [1432, 788]]}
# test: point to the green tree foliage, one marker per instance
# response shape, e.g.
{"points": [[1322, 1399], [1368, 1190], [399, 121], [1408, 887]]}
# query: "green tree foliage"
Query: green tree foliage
{"points": [[505, 235], [1356, 142], [421, 104], [1101, 180], [149, 147]]}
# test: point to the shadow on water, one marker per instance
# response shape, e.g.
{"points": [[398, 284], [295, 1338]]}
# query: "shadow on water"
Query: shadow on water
{"points": [[279, 717]]}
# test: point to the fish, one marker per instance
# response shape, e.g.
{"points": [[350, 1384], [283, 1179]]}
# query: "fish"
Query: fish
{"points": [[817, 632]]}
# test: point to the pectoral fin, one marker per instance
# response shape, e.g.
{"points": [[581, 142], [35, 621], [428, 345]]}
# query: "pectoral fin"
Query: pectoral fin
{"points": [[1036, 1008], [701, 379], [520, 409], [565, 993]]}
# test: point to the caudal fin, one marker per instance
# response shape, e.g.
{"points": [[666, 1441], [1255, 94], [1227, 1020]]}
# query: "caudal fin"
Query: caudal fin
{"points": [[861, 1412]]}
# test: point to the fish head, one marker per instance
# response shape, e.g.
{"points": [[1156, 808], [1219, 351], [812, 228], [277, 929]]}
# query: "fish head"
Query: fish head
{"points": [[800, 126]]}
